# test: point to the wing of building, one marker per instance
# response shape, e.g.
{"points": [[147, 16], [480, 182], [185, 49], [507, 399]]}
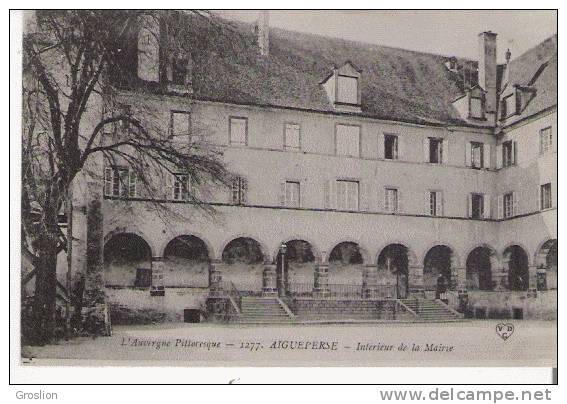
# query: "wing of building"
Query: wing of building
{"points": [[372, 173]]}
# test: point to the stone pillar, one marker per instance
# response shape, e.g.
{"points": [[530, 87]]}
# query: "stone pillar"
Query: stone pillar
{"points": [[500, 276], [157, 286], [269, 280], [461, 278], [215, 279], [321, 281], [370, 282], [532, 286], [453, 283], [415, 278]]}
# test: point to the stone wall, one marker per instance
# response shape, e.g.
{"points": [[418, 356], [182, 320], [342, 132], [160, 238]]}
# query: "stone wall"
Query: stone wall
{"points": [[328, 309], [136, 306], [502, 304]]}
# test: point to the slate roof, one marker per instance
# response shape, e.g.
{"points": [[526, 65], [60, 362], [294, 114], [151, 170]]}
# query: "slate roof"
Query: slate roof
{"points": [[397, 84], [536, 68]]}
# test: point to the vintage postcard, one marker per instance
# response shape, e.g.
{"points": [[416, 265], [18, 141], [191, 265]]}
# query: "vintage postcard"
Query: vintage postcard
{"points": [[288, 188]]}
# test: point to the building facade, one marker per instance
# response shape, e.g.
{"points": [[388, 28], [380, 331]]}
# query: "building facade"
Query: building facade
{"points": [[370, 167]]}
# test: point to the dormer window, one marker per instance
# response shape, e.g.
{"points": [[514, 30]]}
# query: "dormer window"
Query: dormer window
{"points": [[347, 92], [476, 108], [343, 87]]}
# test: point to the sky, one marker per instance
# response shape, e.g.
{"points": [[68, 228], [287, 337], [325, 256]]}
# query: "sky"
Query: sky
{"points": [[450, 33]]}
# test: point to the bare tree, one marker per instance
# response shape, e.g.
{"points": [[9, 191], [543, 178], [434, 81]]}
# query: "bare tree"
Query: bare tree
{"points": [[71, 61]]}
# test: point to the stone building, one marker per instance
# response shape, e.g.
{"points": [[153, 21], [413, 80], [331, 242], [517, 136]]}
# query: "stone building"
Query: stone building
{"points": [[378, 169]]}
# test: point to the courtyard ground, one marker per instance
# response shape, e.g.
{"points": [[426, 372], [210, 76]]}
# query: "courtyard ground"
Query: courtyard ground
{"points": [[468, 343]]}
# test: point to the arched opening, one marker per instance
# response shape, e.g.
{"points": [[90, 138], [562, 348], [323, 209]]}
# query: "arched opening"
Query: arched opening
{"points": [[393, 268], [346, 264], [479, 269], [516, 261], [127, 261], [547, 266], [243, 261], [299, 262], [437, 268], [186, 262]]}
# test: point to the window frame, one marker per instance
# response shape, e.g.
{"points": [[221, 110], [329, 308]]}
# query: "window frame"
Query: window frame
{"points": [[479, 145], [235, 117], [285, 137], [286, 201], [439, 155], [396, 144], [347, 182], [508, 208], [433, 211], [187, 183], [116, 182], [548, 142], [480, 197], [396, 192], [338, 90], [543, 189], [508, 159], [238, 190], [359, 151], [172, 121]]}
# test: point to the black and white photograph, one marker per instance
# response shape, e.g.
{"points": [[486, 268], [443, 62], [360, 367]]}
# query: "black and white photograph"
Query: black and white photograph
{"points": [[287, 188]]}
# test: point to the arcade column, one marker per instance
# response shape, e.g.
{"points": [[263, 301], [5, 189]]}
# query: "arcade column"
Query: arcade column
{"points": [[415, 278], [269, 280], [321, 281], [370, 282], [215, 279]]}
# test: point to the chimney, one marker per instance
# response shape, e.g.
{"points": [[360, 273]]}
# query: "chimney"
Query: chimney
{"points": [[263, 32], [487, 68], [506, 78]]}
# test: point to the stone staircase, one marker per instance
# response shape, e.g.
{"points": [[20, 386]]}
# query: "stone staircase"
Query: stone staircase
{"points": [[429, 310], [262, 310]]}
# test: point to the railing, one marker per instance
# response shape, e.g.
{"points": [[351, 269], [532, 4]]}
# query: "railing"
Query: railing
{"points": [[233, 294], [342, 291]]}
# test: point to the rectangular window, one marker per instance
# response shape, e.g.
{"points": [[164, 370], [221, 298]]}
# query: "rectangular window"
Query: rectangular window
{"points": [[477, 155], [436, 203], [239, 190], [120, 181], [348, 140], [503, 109], [510, 105], [292, 194], [435, 150], [179, 71], [391, 200], [508, 153], [509, 205], [476, 108], [292, 137], [391, 147], [238, 131], [348, 90], [545, 196], [545, 140], [347, 195], [180, 123], [477, 206], [181, 187], [124, 110]]}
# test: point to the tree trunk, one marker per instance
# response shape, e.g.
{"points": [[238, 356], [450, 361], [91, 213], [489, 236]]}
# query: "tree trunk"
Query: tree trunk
{"points": [[44, 303]]}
